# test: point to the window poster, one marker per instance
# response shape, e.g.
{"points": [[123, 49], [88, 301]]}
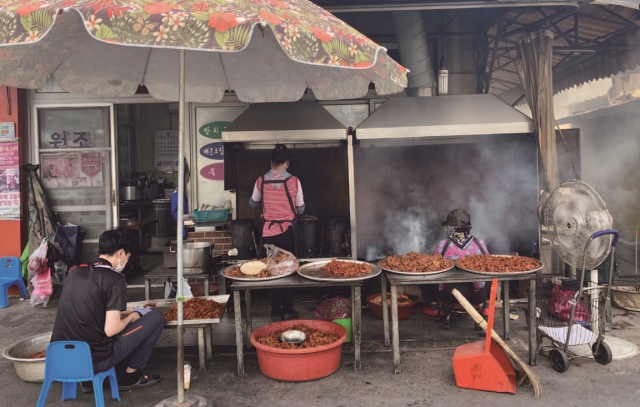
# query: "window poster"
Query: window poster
{"points": [[9, 180], [71, 170], [7, 131]]}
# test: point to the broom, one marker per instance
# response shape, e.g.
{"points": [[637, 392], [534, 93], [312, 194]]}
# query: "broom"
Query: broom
{"points": [[533, 379]]}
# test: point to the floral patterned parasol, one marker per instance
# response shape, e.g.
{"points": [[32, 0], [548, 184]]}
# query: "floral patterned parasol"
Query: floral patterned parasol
{"points": [[304, 32]]}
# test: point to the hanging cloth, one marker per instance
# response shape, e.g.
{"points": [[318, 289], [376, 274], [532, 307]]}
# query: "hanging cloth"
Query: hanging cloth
{"points": [[40, 217]]}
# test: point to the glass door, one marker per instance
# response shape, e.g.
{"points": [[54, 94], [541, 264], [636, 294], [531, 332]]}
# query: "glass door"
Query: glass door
{"points": [[76, 156]]}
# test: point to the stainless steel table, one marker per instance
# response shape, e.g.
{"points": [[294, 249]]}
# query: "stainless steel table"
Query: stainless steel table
{"points": [[450, 277], [163, 273], [293, 281]]}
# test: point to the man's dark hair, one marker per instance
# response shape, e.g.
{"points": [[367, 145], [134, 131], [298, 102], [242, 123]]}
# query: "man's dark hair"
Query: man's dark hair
{"points": [[115, 239], [280, 154]]}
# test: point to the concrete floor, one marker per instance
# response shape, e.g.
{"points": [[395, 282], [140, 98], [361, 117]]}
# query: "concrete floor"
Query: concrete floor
{"points": [[427, 377]]}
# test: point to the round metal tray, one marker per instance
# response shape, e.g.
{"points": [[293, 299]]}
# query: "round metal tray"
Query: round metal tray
{"points": [[313, 271], [421, 273], [248, 278], [498, 274]]}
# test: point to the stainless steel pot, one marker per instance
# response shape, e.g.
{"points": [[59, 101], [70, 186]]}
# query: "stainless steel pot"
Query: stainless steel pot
{"points": [[196, 256], [130, 191], [29, 370]]}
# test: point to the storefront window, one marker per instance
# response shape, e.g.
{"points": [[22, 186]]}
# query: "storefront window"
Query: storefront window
{"points": [[73, 162], [210, 121], [74, 128], [75, 168]]}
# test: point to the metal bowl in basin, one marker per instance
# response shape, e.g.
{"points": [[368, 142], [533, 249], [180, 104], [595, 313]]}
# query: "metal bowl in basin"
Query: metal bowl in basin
{"points": [[293, 336], [29, 370]]}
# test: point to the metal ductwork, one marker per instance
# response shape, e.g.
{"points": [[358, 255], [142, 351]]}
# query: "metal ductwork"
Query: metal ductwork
{"points": [[415, 52]]}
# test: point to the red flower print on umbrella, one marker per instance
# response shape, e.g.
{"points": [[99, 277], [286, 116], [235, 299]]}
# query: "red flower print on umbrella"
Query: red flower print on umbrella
{"points": [[27, 9], [270, 18], [321, 34], [158, 8], [223, 21]]}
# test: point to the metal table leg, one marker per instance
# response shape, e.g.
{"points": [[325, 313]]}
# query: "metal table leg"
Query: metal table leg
{"points": [[357, 324], [147, 289], [533, 342], [385, 310], [237, 310], [207, 341], [394, 326], [139, 228], [207, 283], [505, 309], [353, 303], [249, 329], [222, 284], [201, 350]]}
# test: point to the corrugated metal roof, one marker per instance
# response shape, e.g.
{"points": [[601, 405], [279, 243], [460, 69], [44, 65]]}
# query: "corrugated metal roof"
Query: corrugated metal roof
{"points": [[610, 31]]}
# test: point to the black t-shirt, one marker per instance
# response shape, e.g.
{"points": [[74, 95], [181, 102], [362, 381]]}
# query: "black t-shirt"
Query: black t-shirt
{"points": [[90, 290]]}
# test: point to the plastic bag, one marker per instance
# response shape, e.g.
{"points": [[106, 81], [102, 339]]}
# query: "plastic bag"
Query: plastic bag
{"points": [[69, 238], [38, 260], [280, 261], [171, 288], [334, 308], [42, 288], [41, 275], [560, 306]]}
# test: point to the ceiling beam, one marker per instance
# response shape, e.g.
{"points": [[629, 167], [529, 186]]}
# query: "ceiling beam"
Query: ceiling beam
{"points": [[626, 20], [442, 5], [582, 49], [558, 30], [560, 16]]}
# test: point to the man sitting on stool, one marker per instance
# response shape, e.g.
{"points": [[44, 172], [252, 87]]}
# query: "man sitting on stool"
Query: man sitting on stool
{"points": [[93, 297]]}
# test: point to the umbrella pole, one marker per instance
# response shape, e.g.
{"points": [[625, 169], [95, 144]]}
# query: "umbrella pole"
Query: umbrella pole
{"points": [[191, 400], [180, 227]]}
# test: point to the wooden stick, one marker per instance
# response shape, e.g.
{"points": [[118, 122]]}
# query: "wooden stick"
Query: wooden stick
{"points": [[533, 379]]}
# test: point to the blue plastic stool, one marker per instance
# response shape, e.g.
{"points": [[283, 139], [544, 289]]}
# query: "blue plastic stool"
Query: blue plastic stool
{"points": [[10, 274], [70, 362]]}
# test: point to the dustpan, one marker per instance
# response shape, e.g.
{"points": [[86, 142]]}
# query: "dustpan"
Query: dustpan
{"points": [[483, 365]]}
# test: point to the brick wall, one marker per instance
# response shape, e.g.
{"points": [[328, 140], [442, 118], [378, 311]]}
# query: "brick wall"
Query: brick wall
{"points": [[220, 239]]}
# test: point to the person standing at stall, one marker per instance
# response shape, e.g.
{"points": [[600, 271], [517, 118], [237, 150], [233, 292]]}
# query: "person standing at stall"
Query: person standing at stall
{"points": [[279, 194], [458, 244]]}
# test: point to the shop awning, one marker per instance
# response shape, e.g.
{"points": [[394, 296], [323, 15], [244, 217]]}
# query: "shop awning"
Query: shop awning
{"points": [[284, 122], [443, 116]]}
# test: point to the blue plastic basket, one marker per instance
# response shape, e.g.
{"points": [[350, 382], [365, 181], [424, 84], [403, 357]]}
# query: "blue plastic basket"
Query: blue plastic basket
{"points": [[209, 215]]}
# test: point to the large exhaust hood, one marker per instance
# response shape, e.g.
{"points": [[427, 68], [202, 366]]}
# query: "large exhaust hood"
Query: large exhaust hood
{"points": [[443, 116], [284, 122]]}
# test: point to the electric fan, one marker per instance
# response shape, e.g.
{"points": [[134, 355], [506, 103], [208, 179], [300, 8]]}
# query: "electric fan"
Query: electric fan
{"points": [[571, 214]]}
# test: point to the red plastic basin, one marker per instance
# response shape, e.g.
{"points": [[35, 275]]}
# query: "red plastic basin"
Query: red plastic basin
{"points": [[299, 365], [404, 310]]}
